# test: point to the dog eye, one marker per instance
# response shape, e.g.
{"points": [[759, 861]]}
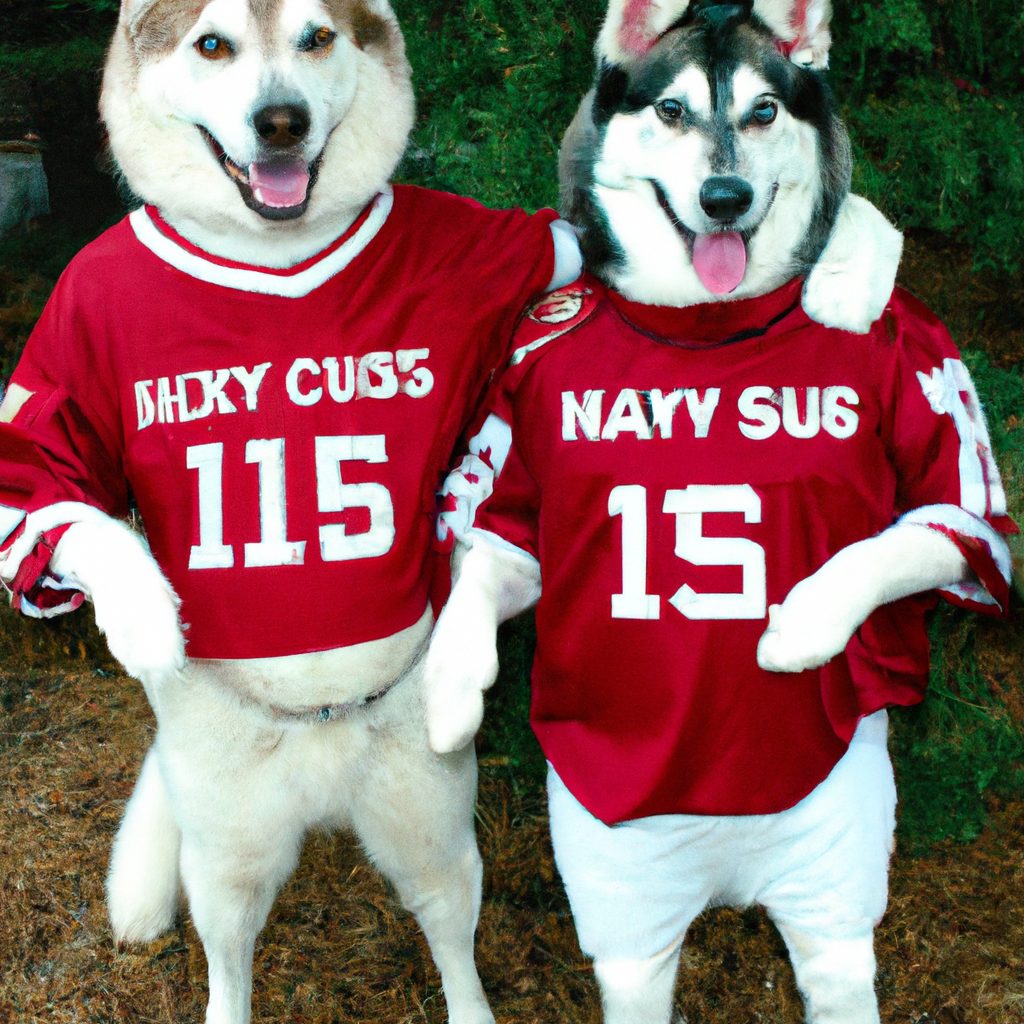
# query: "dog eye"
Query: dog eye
{"points": [[214, 48], [670, 111], [321, 39], [764, 113]]}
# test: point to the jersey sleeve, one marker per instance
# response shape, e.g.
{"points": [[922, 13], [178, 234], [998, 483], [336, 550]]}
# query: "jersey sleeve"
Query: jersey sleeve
{"points": [[481, 459], [948, 478], [60, 459]]}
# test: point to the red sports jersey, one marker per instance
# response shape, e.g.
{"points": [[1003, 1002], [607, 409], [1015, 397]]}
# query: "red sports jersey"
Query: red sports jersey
{"points": [[675, 471], [283, 431]]}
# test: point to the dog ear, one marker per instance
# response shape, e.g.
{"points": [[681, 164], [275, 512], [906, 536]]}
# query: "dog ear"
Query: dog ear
{"points": [[632, 27], [801, 27]]}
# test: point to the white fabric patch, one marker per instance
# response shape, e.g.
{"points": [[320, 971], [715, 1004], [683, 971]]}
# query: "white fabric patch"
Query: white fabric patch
{"points": [[958, 520], [568, 259], [9, 520], [289, 286], [473, 481], [950, 390], [42, 521]]}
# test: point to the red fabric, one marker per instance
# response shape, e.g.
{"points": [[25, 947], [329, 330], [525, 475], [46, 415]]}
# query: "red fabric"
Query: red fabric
{"points": [[443, 273], [672, 714]]}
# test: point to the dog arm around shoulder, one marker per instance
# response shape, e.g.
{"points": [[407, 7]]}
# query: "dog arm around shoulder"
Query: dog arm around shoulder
{"points": [[493, 583], [135, 606], [821, 613], [849, 286]]}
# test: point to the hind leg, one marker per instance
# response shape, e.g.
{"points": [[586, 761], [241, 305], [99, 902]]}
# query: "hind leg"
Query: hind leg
{"points": [[143, 879], [835, 975], [413, 812], [638, 990], [830, 880], [234, 781]]}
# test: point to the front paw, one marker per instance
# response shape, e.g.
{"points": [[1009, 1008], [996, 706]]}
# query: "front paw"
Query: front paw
{"points": [[142, 630], [808, 629], [460, 666]]}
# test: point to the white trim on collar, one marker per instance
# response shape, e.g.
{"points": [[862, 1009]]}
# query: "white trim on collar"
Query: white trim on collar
{"points": [[289, 286]]}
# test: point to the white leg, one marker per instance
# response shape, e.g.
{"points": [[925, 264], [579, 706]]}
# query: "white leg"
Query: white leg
{"points": [[836, 977], [143, 882], [635, 991], [230, 894], [413, 812]]}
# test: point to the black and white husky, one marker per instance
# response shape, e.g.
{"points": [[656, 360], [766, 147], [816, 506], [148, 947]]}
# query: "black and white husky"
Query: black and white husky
{"points": [[262, 129], [707, 165]]}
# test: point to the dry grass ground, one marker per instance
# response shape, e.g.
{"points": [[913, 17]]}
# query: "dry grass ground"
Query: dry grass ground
{"points": [[338, 946]]}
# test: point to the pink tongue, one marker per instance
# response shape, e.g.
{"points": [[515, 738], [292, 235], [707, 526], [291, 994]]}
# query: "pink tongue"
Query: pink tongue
{"points": [[279, 185], [720, 261]]}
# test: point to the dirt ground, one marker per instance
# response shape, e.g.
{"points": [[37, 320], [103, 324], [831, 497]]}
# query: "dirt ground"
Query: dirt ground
{"points": [[338, 946]]}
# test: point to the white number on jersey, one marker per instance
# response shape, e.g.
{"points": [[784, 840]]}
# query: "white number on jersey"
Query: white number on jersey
{"points": [[689, 505], [273, 547]]}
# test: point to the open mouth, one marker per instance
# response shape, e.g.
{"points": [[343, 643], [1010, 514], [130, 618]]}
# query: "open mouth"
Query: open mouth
{"points": [[277, 188], [720, 257]]}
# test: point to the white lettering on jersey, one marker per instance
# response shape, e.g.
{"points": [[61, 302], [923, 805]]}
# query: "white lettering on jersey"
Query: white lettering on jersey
{"points": [[422, 381], [144, 403], [250, 381], [380, 365], [689, 506], [211, 552], [334, 496], [273, 547], [587, 415], [630, 501], [291, 382], [626, 415], [212, 383], [334, 388], [663, 408], [822, 409], [700, 410], [766, 417], [840, 421]]}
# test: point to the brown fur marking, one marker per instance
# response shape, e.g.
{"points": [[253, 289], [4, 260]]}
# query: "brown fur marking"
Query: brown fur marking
{"points": [[367, 29], [161, 26]]}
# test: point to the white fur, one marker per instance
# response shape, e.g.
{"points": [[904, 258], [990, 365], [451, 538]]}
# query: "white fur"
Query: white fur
{"points": [[853, 280], [135, 606], [497, 582]]}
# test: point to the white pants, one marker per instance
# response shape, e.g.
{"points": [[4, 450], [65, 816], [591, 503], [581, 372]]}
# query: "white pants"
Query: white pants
{"points": [[820, 869]]}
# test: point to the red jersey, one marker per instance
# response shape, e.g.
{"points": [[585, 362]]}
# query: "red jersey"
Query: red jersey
{"points": [[675, 471], [282, 431]]}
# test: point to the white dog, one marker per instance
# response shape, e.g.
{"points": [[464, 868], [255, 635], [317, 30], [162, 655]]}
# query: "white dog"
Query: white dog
{"points": [[275, 357], [677, 468]]}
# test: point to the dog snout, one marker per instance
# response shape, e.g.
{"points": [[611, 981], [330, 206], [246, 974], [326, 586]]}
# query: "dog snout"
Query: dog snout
{"points": [[725, 197], [283, 125]]}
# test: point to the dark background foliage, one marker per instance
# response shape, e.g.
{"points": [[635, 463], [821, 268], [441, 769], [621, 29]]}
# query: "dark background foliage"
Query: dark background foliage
{"points": [[933, 95]]}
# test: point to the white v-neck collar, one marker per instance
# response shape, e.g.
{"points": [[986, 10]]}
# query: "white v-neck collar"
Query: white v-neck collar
{"points": [[292, 283]]}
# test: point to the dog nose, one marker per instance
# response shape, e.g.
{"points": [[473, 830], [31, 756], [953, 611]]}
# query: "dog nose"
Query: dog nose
{"points": [[725, 198], [281, 126]]}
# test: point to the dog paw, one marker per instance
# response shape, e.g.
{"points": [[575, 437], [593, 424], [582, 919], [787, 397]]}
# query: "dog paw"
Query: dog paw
{"points": [[462, 662], [850, 285], [135, 607], [807, 630]]}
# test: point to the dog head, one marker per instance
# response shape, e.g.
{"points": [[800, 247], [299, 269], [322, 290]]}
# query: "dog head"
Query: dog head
{"points": [[709, 160], [259, 128]]}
